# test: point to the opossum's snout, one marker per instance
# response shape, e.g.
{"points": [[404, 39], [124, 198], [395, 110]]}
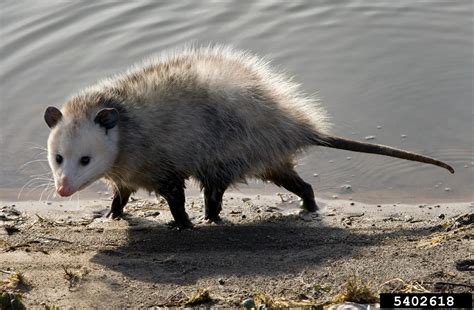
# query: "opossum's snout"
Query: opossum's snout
{"points": [[65, 189]]}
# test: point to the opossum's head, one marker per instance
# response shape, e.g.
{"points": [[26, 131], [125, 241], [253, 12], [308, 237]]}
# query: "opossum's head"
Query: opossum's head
{"points": [[81, 146]]}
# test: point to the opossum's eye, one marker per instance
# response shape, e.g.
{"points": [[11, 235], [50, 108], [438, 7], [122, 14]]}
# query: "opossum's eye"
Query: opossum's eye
{"points": [[85, 160], [59, 159]]}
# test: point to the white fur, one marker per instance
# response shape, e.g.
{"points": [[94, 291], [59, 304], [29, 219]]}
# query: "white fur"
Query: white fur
{"points": [[72, 142]]}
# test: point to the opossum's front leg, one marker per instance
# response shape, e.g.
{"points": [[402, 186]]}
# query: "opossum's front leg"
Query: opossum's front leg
{"points": [[120, 200], [173, 192]]}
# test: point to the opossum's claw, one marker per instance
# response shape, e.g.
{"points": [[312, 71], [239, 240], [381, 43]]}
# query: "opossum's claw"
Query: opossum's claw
{"points": [[113, 214], [109, 214]]}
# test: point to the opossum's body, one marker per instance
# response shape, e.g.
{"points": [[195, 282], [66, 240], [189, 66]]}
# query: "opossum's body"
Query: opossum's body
{"points": [[214, 114]]}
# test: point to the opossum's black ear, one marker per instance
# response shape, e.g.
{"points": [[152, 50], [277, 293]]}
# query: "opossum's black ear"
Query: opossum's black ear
{"points": [[52, 116], [107, 118]]}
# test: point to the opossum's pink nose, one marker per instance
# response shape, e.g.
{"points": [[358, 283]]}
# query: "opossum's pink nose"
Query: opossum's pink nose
{"points": [[64, 189]]}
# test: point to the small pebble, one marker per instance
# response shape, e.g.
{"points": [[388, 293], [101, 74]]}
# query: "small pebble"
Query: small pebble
{"points": [[369, 137], [466, 166], [346, 187], [348, 158], [334, 196], [151, 213], [331, 160], [403, 136], [379, 127], [442, 216], [447, 189], [315, 175]]}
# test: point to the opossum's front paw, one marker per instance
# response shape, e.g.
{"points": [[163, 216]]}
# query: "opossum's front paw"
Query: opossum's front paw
{"points": [[181, 225]]}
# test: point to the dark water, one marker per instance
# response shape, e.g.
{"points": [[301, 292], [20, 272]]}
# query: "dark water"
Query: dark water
{"points": [[405, 66]]}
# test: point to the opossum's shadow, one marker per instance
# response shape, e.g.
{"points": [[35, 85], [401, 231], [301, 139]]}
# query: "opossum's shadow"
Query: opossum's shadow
{"points": [[159, 255]]}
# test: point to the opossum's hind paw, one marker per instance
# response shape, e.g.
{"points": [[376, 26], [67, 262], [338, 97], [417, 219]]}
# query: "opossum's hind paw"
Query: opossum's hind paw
{"points": [[182, 225], [310, 206]]}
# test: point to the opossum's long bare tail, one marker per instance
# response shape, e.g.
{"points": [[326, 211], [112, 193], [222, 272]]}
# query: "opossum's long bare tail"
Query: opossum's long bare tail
{"points": [[356, 146]]}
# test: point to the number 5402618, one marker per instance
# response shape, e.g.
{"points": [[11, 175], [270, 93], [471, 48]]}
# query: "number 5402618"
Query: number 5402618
{"points": [[423, 301], [426, 300]]}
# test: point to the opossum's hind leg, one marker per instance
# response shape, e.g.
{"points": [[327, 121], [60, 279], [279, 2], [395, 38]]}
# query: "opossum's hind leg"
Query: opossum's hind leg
{"points": [[213, 202], [287, 177], [119, 201], [173, 191]]}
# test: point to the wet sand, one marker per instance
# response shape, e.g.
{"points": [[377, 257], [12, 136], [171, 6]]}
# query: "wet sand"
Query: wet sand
{"points": [[71, 255]]}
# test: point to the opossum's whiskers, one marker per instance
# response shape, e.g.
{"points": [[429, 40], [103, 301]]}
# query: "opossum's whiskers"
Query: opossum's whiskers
{"points": [[47, 186], [52, 192], [37, 184], [40, 153], [32, 181], [32, 162], [39, 148], [42, 175], [36, 145]]}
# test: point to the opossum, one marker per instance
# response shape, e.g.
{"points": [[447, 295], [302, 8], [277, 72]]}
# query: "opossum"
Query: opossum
{"points": [[213, 114]]}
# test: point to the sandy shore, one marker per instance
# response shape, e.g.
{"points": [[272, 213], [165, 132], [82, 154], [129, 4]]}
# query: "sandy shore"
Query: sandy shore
{"points": [[70, 254]]}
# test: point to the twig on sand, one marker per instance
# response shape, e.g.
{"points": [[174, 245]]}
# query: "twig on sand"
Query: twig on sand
{"points": [[449, 283]]}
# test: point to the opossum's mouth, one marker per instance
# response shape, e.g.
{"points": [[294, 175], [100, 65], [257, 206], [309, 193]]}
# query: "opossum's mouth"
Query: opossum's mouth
{"points": [[65, 193], [86, 184]]}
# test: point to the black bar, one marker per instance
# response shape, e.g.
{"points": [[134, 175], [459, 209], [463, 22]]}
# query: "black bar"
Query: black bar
{"points": [[426, 300]]}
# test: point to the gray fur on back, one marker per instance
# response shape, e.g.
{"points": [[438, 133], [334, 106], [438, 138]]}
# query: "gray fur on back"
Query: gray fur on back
{"points": [[215, 114]]}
